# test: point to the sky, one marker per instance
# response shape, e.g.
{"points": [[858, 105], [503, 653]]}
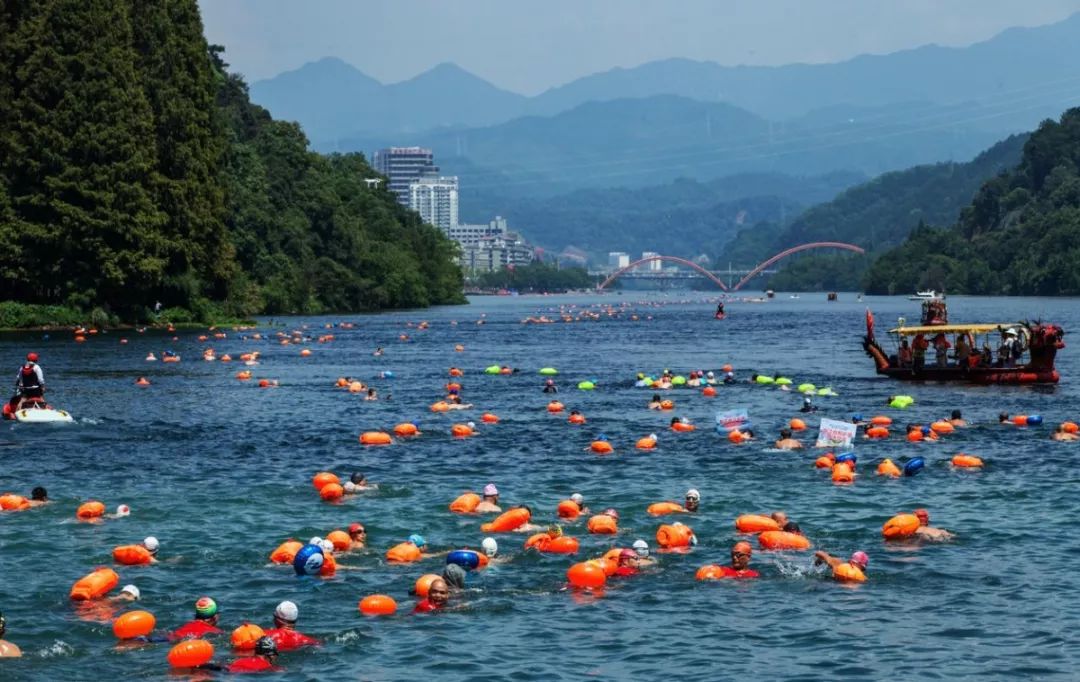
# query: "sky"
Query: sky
{"points": [[528, 46]]}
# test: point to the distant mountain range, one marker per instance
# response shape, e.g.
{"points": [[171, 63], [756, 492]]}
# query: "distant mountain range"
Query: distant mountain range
{"points": [[1006, 83]]}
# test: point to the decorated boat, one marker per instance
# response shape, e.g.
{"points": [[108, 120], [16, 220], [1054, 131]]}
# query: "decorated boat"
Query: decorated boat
{"points": [[985, 353]]}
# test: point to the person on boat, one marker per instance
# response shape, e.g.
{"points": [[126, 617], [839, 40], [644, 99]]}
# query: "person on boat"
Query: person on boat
{"points": [[918, 352], [1061, 434], [905, 353], [550, 387], [720, 310], [941, 350], [29, 382], [928, 532], [963, 350], [1006, 351], [986, 355], [490, 503], [786, 442], [7, 649], [654, 404], [284, 632], [266, 653], [957, 420], [204, 623]]}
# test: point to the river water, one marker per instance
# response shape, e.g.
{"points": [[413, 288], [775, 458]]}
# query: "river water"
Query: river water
{"points": [[220, 471]]}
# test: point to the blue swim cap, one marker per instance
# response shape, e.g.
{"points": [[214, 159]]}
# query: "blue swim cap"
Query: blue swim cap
{"points": [[465, 558], [847, 457], [857, 417], [601, 437], [926, 430], [914, 466], [417, 540], [309, 560]]}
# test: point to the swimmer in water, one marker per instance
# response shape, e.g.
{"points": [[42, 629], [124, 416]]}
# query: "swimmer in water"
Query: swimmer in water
{"points": [[550, 387], [1003, 419], [371, 395], [204, 623], [360, 481], [379, 351], [729, 377], [455, 404], [357, 536], [284, 632], [438, 595], [807, 405], [129, 593], [454, 576], [859, 560], [579, 500], [490, 503], [786, 442], [710, 378], [266, 653], [38, 497], [7, 649], [957, 420], [642, 549], [740, 562], [791, 527], [927, 532], [654, 404], [121, 511], [629, 563], [693, 500], [780, 518], [152, 545], [1061, 434]]}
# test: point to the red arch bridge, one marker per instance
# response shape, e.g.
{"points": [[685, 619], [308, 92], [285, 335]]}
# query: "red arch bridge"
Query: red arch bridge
{"points": [[712, 276]]}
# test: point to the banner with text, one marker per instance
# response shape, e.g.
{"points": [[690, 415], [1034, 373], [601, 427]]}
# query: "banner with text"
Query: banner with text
{"points": [[835, 434], [733, 420]]}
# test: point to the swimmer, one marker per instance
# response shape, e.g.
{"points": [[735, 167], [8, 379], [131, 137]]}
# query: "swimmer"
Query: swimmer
{"points": [[7, 649], [579, 500], [857, 420], [859, 561], [748, 434], [152, 545], [371, 395], [455, 404], [1061, 434], [642, 549], [1003, 419], [379, 351], [204, 623], [438, 595], [780, 518], [357, 536], [710, 378], [628, 563], [693, 500], [361, 482], [654, 404], [729, 377], [791, 527], [928, 532], [694, 381], [121, 511], [807, 405], [38, 497], [454, 576], [284, 632], [490, 502], [740, 562], [266, 653], [128, 593], [786, 442], [550, 387], [956, 420]]}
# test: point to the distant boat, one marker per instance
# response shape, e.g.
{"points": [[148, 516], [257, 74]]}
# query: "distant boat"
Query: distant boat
{"points": [[930, 295], [794, 296]]}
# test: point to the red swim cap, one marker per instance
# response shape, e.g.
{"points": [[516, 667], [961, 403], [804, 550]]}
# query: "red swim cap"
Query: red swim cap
{"points": [[31, 357]]}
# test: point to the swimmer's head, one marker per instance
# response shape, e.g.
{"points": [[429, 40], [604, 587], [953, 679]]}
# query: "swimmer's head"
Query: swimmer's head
{"points": [[628, 557], [490, 490], [710, 374], [924, 517], [287, 612], [612, 513], [578, 499], [642, 548], [785, 433], [956, 415], [357, 478], [3, 625], [131, 591], [860, 559], [266, 646], [417, 540], [206, 609], [693, 494], [740, 555], [792, 527], [1003, 417], [151, 544], [601, 437], [123, 510], [356, 531], [327, 546], [39, 494], [471, 425], [806, 400], [856, 417], [315, 541], [490, 546]]}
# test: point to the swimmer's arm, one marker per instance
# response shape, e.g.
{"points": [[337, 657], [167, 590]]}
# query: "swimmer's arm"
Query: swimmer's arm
{"points": [[824, 557]]}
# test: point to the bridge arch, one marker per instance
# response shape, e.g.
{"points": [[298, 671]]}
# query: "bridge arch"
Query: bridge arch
{"points": [[664, 259], [795, 249]]}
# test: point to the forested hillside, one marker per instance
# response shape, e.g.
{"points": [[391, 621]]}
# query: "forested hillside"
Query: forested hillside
{"points": [[134, 169], [1019, 236]]}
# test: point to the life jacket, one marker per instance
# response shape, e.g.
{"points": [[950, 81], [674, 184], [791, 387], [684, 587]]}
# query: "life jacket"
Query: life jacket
{"points": [[287, 639], [28, 377]]}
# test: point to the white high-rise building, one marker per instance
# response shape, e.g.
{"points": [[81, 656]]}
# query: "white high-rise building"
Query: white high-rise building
{"points": [[404, 166], [654, 265], [436, 200], [618, 259]]}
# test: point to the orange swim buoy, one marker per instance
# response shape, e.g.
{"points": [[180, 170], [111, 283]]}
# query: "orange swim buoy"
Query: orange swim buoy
{"points": [[95, 584], [966, 461], [797, 424], [305, 353], [900, 526], [132, 555], [554, 407], [708, 392], [455, 372], [191, 653], [736, 437], [601, 447], [778, 539], [646, 443], [13, 502], [340, 539], [576, 419], [465, 504], [245, 635], [423, 584], [824, 462], [244, 375], [586, 575], [842, 473], [508, 521], [1020, 419], [489, 418], [942, 427], [667, 405], [847, 572], [378, 605], [142, 381], [134, 624], [602, 524], [568, 509], [286, 552], [324, 478], [404, 553], [662, 508], [674, 536], [915, 435], [710, 572], [440, 406], [332, 491], [755, 523], [329, 566], [564, 544], [877, 432], [406, 430], [356, 387], [461, 431], [887, 468], [90, 510], [376, 438], [1070, 427], [881, 420], [538, 541], [682, 427]]}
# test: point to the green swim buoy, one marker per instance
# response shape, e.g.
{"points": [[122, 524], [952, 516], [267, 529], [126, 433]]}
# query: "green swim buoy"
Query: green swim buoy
{"points": [[549, 371], [494, 369]]}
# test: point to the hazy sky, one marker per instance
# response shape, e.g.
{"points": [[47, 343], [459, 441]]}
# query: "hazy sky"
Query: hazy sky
{"points": [[529, 46]]}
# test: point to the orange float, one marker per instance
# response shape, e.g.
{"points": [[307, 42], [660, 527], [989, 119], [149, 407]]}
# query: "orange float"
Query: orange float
{"points": [[404, 553], [378, 605], [881, 420], [423, 584], [245, 635], [967, 461], [645, 443], [667, 405], [461, 431], [455, 372], [824, 462], [332, 491], [586, 575], [1020, 419], [134, 624], [324, 478], [406, 430], [797, 425], [13, 502], [356, 387], [601, 447], [489, 418], [900, 526], [132, 555], [564, 544], [244, 375], [340, 539], [942, 427], [90, 510], [465, 504], [778, 539], [1070, 427], [662, 508], [887, 468], [915, 435], [538, 541], [576, 419], [602, 524], [305, 353], [710, 572], [674, 536], [555, 406], [286, 552], [441, 406], [191, 653], [568, 509], [376, 438], [342, 382], [842, 473], [329, 566], [708, 392], [507, 521], [94, 585], [736, 437], [847, 572], [755, 523], [682, 427], [877, 432]]}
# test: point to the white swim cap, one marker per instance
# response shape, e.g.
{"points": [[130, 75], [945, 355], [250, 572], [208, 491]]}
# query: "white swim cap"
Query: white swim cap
{"points": [[577, 497], [693, 494], [123, 510], [327, 546], [641, 547], [652, 436], [471, 425], [315, 541], [287, 611], [151, 543], [130, 589], [490, 546]]}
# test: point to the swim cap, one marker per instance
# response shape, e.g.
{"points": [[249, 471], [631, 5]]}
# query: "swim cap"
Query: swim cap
{"points": [[693, 494], [860, 558], [806, 400], [205, 608], [627, 554], [151, 544], [710, 373], [454, 576], [642, 548], [490, 490], [652, 436], [743, 547], [577, 498], [730, 374], [265, 646], [490, 546], [349, 487], [123, 510], [31, 357], [315, 541], [612, 513], [355, 528], [327, 546], [601, 437], [857, 417], [417, 540], [130, 589], [287, 611], [923, 515], [471, 425], [356, 477]]}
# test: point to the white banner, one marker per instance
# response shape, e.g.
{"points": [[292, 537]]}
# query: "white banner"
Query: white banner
{"points": [[835, 434], [733, 420]]}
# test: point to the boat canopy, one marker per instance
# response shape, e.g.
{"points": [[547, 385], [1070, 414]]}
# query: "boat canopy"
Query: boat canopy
{"points": [[953, 329]]}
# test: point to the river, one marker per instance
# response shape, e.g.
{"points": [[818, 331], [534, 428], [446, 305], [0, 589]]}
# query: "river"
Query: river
{"points": [[220, 471]]}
